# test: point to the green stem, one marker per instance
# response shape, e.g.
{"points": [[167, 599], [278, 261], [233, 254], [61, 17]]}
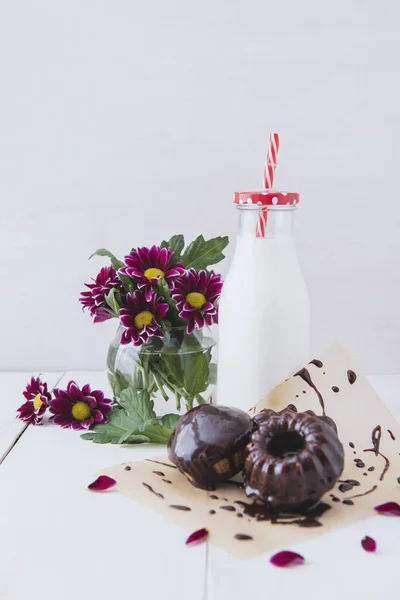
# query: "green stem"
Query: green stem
{"points": [[200, 399], [189, 402], [178, 402], [160, 387]]}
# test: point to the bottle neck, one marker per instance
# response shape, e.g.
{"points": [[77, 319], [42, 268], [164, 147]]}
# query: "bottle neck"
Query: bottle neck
{"points": [[278, 224]]}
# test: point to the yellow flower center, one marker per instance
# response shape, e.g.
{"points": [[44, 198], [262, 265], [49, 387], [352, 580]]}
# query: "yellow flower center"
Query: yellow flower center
{"points": [[152, 273], [143, 318], [37, 403], [80, 411], [195, 299]]}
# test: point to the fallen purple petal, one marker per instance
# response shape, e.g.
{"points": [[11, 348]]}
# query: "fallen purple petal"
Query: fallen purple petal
{"points": [[389, 508], [286, 558], [369, 544], [102, 483], [197, 536]]}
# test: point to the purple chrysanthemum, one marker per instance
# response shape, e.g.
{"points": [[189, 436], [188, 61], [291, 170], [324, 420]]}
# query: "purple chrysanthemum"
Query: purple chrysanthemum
{"points": [[147, 265], [79, 408], [197, 295], [94, 299], [38, 399], [141, 318]]}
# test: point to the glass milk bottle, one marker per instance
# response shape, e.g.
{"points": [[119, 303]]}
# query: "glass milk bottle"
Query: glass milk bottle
{"points": [[264, 321]]}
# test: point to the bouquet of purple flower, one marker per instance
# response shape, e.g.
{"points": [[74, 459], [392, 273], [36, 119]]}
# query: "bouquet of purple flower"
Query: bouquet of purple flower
{"points": [[164, 298]]}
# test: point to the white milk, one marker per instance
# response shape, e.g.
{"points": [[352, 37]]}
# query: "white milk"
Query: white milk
{"points": [[263, 314]]}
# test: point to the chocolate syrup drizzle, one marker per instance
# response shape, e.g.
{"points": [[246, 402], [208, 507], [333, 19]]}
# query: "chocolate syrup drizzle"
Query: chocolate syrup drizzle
{"points": [[146, 485], [351, 376], [300, 517], [391, 434], [305, 375], [376, 436], [363, 494], [317, 363]]}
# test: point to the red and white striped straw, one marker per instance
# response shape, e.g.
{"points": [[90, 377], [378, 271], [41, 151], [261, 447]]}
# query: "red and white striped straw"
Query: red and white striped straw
{"points": [[269, 172], [270, 162]]}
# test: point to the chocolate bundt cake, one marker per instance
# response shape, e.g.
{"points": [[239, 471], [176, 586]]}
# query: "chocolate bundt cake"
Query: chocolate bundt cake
{"points": [[292, 458], [207, 444]]}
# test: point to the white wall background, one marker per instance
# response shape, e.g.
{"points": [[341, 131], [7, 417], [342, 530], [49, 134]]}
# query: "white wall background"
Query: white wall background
{"points": [[122, 122]]}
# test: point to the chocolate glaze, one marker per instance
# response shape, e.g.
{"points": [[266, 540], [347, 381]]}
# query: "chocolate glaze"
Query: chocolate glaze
{"points": [[305, 375], [180, 507], [351, 444], [335, 389], [376, 437], [238, 484], [351, 376], [160, 473], [207, 444], [316, 362], [146, 485], [229, 508], [391, 434], [242, 537], [297, 515], [284, 466]]}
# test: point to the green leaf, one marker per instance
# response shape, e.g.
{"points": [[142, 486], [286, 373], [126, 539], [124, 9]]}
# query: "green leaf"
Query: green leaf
{"points": [[195, 372], [127, 282], [176, 244], [138, 406], [398, 480], [158, 434], [170, 420], [110, 433], [202, 253], [112, 301], [134, 423], [116, 263]]}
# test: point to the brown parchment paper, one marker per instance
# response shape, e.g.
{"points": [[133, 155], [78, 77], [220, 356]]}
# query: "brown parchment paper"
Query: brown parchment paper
{"points": [[356, 409]]}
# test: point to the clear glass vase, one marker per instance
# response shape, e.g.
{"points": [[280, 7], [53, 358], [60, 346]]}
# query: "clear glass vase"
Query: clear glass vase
{"points": [[178, 371]]}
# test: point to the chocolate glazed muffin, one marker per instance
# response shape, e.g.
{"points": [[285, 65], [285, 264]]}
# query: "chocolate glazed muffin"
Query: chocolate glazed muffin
{"points": [[207, 444], [292, 458]]}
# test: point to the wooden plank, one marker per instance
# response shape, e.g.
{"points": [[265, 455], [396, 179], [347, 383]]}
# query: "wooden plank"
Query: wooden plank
{"points": [[60, 540], [11, 387], [337, 566]]}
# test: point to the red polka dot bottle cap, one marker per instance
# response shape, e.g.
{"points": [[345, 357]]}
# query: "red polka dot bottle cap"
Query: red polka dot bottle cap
{"points": [[266, 198]]}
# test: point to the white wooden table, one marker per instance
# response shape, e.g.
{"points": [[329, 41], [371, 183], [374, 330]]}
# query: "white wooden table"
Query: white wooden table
{"points": [[59, 541]]}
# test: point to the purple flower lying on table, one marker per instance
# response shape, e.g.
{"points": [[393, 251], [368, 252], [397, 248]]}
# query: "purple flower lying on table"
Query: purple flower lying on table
{"points": [[38, 398], [142, 318], [197, 294], [79, 408], [94, 299], [148, 265]]}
